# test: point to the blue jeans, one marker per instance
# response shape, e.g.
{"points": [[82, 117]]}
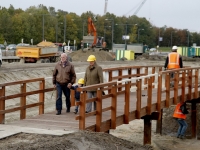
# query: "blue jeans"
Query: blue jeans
{"points": [[62, 88], [76, 107], [182, 126]]}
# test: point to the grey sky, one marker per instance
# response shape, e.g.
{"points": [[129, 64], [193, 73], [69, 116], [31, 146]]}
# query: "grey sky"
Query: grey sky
{"points": [[181, 14]]}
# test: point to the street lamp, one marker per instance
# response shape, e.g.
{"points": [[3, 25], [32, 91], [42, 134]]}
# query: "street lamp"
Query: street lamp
{"points": [[188, 32], [112, 30], [126, 32], [139, 35], [171, 37], [105, 31]]}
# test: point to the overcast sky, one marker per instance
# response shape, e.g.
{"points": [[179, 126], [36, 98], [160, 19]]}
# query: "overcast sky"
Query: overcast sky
{"points": [[180, 14]]}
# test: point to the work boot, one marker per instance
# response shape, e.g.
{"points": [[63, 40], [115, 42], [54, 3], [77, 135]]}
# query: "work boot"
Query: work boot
{"points": [[68, 110], [75, 111], [182, 137], [58, 112]]}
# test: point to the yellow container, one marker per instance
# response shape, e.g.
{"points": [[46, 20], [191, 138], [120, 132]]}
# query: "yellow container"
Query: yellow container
{"points": [[129, 54], [179, 50]]}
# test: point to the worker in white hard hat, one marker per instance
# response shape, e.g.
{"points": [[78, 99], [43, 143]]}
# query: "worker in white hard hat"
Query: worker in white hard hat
{"points": [[173, 61], [93, 75]]}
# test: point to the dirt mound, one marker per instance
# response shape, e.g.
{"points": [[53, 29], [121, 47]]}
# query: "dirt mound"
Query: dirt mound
{"points": [[80, 140], [83, 55]]}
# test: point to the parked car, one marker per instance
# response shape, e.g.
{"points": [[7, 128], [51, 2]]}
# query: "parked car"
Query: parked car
{"points": [[152, 49], [11, 47], [2, 46], [23, 44]]}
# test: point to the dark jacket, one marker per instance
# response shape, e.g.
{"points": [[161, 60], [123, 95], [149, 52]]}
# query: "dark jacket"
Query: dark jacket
{"points": [[93, 75], [77, 93], [167, 61], [65, 74]]}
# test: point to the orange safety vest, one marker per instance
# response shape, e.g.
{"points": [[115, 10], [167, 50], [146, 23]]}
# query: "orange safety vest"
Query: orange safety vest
{"points": [[173, 62], [177, 112]]}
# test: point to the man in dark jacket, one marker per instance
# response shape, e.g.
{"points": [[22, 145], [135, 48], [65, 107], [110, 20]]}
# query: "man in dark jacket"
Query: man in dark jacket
{"points": [[63, 75], [93, 75]]}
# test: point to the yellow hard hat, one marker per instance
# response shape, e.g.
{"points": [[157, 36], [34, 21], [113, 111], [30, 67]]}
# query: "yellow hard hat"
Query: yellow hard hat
{"points": [[81, 81], [91, 58]]}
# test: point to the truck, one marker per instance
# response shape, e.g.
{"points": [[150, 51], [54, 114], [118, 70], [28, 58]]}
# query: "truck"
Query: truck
{"points": [[0, 58], [44, 52], [92, 38]]}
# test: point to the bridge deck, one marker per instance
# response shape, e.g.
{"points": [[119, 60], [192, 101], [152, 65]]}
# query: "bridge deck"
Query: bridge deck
{"points": [[66, 121]]}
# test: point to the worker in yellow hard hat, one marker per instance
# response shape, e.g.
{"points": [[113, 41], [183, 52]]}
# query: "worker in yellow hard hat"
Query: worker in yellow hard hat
{"points": [[77, 93], [93, 75]]}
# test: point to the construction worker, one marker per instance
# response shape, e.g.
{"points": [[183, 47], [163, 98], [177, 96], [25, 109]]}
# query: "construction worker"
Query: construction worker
{"points": [[173, 61], [63, 75], [93, 75], [180, 118]]}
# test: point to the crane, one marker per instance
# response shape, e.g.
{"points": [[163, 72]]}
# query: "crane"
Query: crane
{"points": [[105, 7], [135, 13]]}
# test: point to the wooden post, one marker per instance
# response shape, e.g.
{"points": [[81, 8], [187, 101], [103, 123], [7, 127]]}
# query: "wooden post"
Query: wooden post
{"points": [[183, 87], [99, 110], [196, 93], [23, 102], [72, 97], [2, 105], [167, 89], [138, 71], [139, 94], [41, 97], [114, 107], [190, 85], [153, 78], [83, 96], [147, 130], [146, 72], [159, 92], [194, 120], [120, 74], [176, 88], [149, 96], [109, 79], [127, 102], [159, 123]]}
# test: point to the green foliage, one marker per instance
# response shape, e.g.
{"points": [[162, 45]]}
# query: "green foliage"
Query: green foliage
{"points": [[16, 24]]}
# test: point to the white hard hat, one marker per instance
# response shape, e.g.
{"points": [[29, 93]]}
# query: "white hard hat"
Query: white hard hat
{"points": [[174, 47]]}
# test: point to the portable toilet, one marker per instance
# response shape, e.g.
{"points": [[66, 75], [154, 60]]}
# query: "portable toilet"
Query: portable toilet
{"points": [[191, 52], [119, 54]]}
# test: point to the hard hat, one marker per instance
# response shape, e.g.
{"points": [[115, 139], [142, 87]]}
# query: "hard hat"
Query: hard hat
{"points": [[81, 81], [91, 58], [174, 47]]}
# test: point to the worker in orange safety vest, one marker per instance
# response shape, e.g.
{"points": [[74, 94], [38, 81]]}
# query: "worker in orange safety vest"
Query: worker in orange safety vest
{"points": [[180, 118], [173, 61]]}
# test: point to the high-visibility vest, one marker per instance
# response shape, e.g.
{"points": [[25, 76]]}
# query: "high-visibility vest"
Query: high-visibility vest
{"points": [[177, 112], [173, 62]]}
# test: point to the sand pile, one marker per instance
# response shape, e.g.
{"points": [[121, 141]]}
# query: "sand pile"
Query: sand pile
{"points": [[83, 55]]}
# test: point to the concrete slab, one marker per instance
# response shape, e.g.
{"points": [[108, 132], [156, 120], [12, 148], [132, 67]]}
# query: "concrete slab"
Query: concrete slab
{"points": [[9, 130]]}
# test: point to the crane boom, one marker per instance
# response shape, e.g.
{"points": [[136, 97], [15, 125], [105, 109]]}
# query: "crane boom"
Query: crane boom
{"points": [[105, 7], [139, 7]]}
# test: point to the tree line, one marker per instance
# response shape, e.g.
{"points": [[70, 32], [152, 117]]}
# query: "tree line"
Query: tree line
{"points": [[41, 23]]}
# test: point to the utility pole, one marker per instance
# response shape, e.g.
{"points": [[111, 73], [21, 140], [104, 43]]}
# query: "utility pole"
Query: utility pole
{"points": [[64, 27]]}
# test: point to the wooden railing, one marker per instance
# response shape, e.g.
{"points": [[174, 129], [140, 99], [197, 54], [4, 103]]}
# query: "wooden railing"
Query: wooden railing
{"points": [[23, 93]]}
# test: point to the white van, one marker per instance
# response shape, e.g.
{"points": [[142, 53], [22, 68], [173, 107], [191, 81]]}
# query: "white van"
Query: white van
{"points": [[0, 58]]}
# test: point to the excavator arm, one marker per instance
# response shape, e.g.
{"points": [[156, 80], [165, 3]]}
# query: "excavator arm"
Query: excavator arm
{"points": [[92, 31]]}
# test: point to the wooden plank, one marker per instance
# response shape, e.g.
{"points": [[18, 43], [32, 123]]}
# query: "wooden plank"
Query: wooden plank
{"points": [[41, 97], [149, 96], [159, 92], [99, 110], [119, 79], [190, 85], [83, 96], [127, 103], [21, 82], [194, 120], [23, 102], [159, 123], [2, 104], [196, 95], [72, 97], [167, 80], [139, 94], [183, 86], [147, 130], [175, 88], [114, 106]]}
